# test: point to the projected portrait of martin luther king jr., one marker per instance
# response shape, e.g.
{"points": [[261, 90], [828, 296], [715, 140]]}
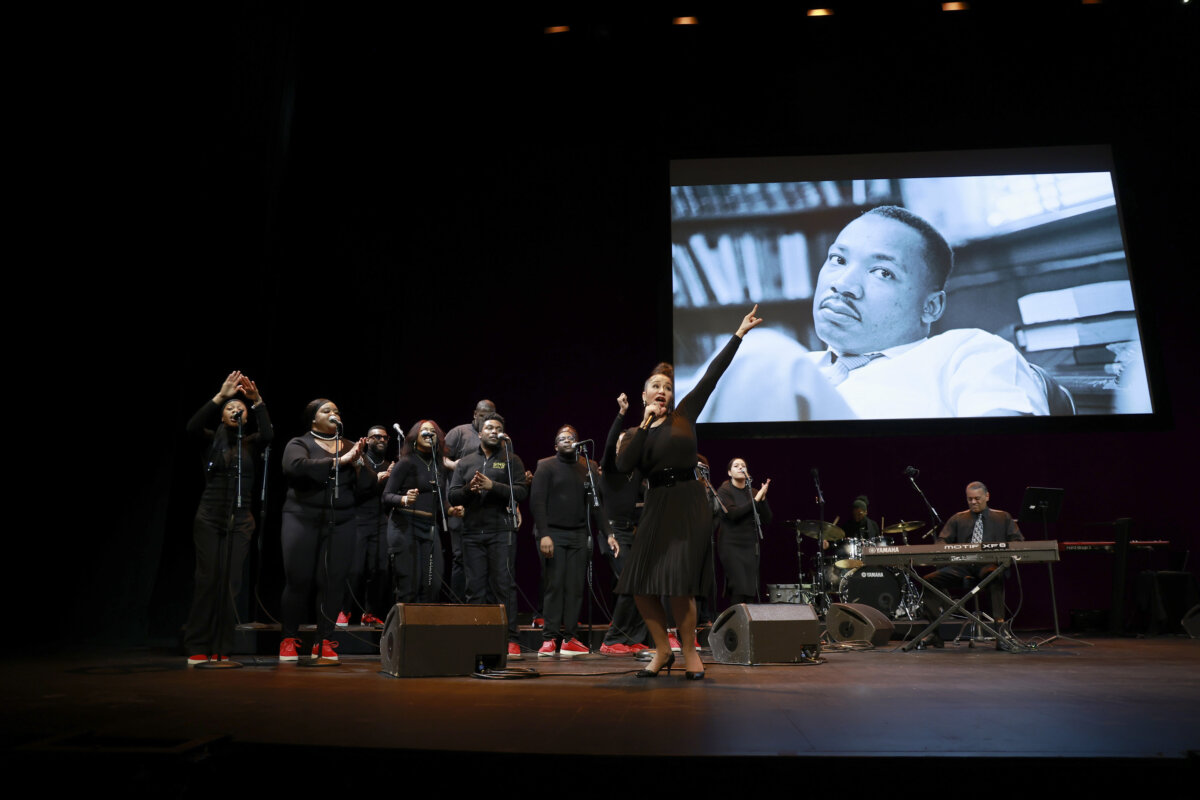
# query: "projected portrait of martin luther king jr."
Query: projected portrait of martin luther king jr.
{"points": [[881, 287]]}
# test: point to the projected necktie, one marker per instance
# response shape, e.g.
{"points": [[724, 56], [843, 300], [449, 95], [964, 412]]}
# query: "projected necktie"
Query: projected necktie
{"points": [[840, 369]]}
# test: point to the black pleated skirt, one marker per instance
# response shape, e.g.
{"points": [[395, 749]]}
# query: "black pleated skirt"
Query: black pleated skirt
{"points": [[672, 551]]}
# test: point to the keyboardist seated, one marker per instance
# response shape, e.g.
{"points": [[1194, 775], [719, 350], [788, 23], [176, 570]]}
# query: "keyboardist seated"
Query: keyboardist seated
{"points": [[977, 524]]}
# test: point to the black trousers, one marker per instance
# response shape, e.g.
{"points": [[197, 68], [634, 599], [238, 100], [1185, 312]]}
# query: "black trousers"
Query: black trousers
{"points": [[316, 557], [201, 634], [367, 585], [565, 575], [458, 575], [627, 626], [417, 563], [489, 572]]}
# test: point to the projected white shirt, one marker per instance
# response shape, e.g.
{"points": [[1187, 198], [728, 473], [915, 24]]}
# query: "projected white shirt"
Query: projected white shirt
{"points": [[960, 373]]}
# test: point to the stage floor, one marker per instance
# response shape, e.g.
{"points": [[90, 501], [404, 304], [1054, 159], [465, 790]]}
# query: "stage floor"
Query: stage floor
{"points": [[1118, 699]]}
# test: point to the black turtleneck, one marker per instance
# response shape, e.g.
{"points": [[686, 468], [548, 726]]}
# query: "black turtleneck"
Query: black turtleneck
{"points": [[557, 497]]}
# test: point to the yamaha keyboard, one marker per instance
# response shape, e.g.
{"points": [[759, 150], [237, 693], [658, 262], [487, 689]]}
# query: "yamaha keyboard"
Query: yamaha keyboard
{"points": [[940, 554]]}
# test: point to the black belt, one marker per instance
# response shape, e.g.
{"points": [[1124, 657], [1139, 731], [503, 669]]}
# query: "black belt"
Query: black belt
{"points": [[670, 477]]}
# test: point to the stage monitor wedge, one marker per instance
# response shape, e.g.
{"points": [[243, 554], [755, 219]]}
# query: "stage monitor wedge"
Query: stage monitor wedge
{"points": [[422, 640]]}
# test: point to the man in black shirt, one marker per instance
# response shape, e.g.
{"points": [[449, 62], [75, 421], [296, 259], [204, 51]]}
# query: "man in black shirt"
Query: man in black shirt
{"points": [[488, 484], [975, 525], [460, 441], [562, 501], [367, 583]]}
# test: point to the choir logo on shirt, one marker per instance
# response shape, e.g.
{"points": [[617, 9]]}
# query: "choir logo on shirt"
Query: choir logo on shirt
{"points": [[499, 464]]}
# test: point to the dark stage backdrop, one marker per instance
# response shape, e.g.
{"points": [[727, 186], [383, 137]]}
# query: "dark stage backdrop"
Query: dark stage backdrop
{"points": [[406, 218]]}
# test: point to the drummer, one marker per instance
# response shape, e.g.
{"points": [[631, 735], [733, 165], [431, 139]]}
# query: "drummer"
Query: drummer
{"points": [[859, 526]]}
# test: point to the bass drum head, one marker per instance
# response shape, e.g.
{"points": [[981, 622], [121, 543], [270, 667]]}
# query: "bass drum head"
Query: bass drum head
{"points": [[878, 587]]}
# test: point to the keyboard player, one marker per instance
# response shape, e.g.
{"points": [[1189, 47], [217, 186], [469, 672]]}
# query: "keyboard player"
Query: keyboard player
{"points": [[978, 523]]}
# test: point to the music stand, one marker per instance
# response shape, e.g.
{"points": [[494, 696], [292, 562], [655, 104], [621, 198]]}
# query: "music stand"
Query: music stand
{"points": [[1044, 503]]}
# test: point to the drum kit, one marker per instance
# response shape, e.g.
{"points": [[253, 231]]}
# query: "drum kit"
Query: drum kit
{"points": [[839, 574]]}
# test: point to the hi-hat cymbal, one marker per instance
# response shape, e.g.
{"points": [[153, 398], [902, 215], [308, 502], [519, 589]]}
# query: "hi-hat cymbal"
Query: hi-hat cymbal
{"points": [[815, 529], [904, 527], [847, 563]]}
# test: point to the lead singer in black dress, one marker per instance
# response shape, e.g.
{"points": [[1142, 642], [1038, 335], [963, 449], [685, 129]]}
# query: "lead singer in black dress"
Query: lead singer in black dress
{"points": [[673, 545]]}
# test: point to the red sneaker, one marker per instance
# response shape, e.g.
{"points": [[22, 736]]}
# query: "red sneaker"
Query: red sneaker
{"points": [[637, 648], [326, 649], [572, 647], [371, 619], [343, 620], [287, 650], [514, 652], [194, 660], [617, 649], [547, 649], [674, 640]]}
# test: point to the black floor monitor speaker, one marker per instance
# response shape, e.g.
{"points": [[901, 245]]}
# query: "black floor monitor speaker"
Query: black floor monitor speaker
{"points": [[766, 634], [858, 622], [427, 639], [1191, 622]]}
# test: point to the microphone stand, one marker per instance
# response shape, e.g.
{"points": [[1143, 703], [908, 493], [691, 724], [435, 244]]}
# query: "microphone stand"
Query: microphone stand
{"points": [[932, 511], [262, 513], [442, 504], [758, 530], [327, 526], [704, 477], [437, 483], [221, 578], [823, 596], [589, 489]]}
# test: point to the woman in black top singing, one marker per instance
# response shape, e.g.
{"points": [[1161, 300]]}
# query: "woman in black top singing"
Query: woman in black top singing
{"points": [[673, 544], [415, 512], [326, 477], [738, 545], [223, 519]]}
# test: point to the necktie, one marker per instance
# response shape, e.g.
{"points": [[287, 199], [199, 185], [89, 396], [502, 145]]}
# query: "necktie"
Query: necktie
{"points": [[977, 534], [840, 369]]}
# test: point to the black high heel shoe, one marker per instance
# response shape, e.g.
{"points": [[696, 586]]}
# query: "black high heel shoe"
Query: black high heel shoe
{"points": [[647, 673], [693, 676]]}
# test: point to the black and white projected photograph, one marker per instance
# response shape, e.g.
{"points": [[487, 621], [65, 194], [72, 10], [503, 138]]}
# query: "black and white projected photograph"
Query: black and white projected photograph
{"points": [[908, 297]]}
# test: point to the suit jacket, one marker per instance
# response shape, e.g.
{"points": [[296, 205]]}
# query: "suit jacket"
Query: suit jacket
{"points": [[998, 526]]}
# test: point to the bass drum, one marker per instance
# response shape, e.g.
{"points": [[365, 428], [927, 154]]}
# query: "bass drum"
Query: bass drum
{"points": [[878, 587]]}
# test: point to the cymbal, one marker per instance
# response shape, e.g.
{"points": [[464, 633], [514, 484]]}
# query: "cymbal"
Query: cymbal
{"points": [[904, 527], [847, 563], [815, 529]]}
